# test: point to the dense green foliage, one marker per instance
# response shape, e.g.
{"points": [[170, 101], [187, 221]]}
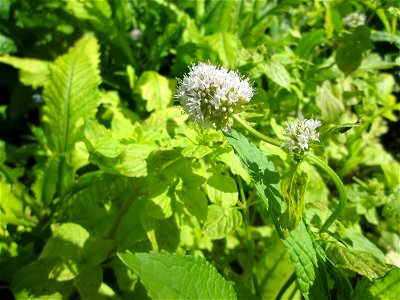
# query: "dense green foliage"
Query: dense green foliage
{"points": [[106, 191]]}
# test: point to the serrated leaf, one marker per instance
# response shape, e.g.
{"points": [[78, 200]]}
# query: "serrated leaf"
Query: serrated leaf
{"points": [[168, 276], [155, 89], [308, 263], [71, 94], [277, 73], [261, 170], [32, 72], [360, 262], [221, 221], [293, 185], [45, 185], [383, 288], [222, 189]]}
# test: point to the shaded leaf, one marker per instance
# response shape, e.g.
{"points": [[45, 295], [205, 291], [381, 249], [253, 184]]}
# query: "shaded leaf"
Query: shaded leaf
{"points": [[222, 189]]}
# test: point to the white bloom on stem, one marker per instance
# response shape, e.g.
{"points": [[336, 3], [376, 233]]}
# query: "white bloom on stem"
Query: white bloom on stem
{"points": [[355, 19], [211, 94], [300, 133]]}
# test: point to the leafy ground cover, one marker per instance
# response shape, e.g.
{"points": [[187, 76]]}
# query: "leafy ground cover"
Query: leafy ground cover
{"points": [[108, 191]]}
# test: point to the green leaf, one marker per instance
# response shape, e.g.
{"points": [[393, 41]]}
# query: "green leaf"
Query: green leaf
{"points": [[330, 105], [195, 202], [71, 94], [351, 47], [155, 89], [308, 263], [293, 185], [65, 242], [362, 263], [169, 276], [233, 162], [33, 281], [222, 189], [261, 170], [277, 73], [392, 206], [88, 283], [226, 45], [94, 252], [33, 72], [196, 151], [221, 221], [309, 41], [45, 185], [383, 288], [7, 45]]}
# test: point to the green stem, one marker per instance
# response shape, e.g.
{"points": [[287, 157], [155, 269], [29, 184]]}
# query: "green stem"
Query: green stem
{"points": [[257, 133], [339, 184], [249, 240]]}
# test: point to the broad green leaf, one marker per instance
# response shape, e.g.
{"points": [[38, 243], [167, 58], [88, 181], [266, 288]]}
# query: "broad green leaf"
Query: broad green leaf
{"points": [[96, 201], [71, 94], [162, 234], [330, 105], [125, 237], [277, 73], [33, 72], [351, 47], [233, 162], [94, 252], [169, 276], [7, 45], [222, 189], [33, 281], [196, 151], [132, 161], [383, 288], [65, 242], [261, 170], [309, 41], [221, 221], [155, 89], [293, 186], [88, 283], [362, 263], [226, 45], [195, 202]]}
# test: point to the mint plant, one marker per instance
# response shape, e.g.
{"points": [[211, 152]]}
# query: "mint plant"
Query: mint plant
{"points": [[199, 149]]}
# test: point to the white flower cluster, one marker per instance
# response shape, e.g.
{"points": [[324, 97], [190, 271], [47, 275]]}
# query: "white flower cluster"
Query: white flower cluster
{"points": [[354, 19], [300, 133], [211, 95]]}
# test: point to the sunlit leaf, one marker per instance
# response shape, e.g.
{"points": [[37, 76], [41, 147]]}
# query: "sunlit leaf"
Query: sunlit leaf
{"points": [[169, 276]]}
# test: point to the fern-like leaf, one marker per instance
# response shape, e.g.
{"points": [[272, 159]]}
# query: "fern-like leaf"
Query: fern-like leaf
{"points": [[71, 94]]}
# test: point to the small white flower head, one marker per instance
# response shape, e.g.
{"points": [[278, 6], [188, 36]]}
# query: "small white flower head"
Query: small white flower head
{"points": [[136, 34], [300, 133], [211, 94], [354, 19]]}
